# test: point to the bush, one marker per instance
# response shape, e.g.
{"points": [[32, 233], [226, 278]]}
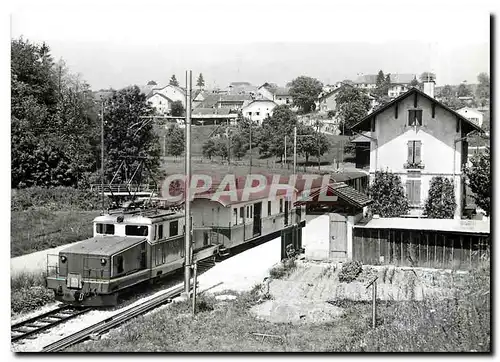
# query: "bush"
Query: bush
{"points": [[441, 201], [29, 292], [350, 271], [388, 195], [55, 198]]}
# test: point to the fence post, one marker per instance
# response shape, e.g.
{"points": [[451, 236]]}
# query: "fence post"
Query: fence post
{"points": [[373, 283]]}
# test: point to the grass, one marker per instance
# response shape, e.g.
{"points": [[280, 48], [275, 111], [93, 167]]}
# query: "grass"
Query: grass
{"points": [[39, 229], [431, 325], [28, 292]]}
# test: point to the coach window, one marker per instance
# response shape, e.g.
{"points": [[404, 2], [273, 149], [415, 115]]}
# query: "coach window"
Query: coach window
{"points": [[235, 212], [174, 228], [269, 208], [160, 231], [108, 229], [136, 230], [281, 206], [242, 213]]}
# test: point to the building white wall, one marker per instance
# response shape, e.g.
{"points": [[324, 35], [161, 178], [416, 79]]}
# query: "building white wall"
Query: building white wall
{"points": [[472, 115], [161, 104], [257, 111], [440, 154], [174, 93]]}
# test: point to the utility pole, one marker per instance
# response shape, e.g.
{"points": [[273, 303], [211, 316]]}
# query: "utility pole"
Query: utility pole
{"points": [[317, 143], [285, 151], [187, 190], [250, 172], [294, 149], [102, 155]]}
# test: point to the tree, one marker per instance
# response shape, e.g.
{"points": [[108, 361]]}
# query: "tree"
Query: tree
{"points": [[479, 177], [414, 82], [463, 90], [352, 105], [174, 141], [177, 109], [388, 195], [380, 79], [440, 204], [129, 133], [304, 92], [483, 89], [53, 117], [209, 148], [200, 82], [310, 142], [173, 81], [447, 91], [271, 136]]}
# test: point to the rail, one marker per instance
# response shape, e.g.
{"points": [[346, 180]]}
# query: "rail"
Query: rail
{"points": [[113, 321], [40, 323], [123, 188]]}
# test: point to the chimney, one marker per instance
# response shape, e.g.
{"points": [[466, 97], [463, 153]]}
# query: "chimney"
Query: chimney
{"points": [[429, 84]]}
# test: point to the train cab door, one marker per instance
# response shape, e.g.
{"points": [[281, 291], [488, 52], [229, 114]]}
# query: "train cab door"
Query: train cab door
{"points": [[257, 221]]}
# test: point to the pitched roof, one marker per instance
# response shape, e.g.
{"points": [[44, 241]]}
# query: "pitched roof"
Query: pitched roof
{"points": [[367, 78], [342, 191], [328, 94], [235, 97], [151, 95], [361, 138], [402, 78], [366, 119], [275, 89]]}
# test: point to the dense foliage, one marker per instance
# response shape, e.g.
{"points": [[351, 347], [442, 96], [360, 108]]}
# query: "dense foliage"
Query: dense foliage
{"points": [[479, 177], [200, 82], [350, 271], [173, 81], [177, 109], [54, 123], [304, 92], [352, 105], [440, 204], [389, 199], [174, 141]]}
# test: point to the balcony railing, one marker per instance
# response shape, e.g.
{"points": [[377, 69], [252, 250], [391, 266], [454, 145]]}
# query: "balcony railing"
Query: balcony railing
{"points": [[123, 188]]}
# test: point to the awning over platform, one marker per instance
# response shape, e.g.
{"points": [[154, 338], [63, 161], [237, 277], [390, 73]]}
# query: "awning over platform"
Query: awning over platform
{"points": [[343, 192]]}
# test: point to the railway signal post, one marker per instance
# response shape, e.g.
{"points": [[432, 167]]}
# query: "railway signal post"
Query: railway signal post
{"points": [[187, 190]]}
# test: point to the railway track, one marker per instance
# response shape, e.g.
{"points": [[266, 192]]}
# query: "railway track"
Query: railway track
{"points": [[113, 321], [43, 322]]}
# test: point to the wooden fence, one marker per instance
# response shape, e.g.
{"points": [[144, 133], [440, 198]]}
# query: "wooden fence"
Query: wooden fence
{"points": [[420, 248]]}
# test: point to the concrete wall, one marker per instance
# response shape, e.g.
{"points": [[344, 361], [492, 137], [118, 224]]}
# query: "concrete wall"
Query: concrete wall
{"points": [[438, 151]]}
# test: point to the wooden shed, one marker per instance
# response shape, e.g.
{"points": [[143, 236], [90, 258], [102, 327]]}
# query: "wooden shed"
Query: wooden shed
{"points": [[434, 243]]}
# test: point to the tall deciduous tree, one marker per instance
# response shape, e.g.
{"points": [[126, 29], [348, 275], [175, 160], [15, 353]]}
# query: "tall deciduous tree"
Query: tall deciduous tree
{"points": [[483, 89], [271, 137], [380, 78], [304, 92], [173, 81], [200, 82], [479, 176], [463, 90], [440, 204], [310, 142], [389, 199], [352, 105], [128, 132]]}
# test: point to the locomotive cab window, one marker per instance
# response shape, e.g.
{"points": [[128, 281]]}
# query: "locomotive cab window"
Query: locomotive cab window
{"points": [[136, 230], [108, 229], [174, 228], [160, 231]]}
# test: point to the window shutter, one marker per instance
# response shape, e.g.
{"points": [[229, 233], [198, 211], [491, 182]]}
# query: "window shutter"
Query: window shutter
{"points": [[416, 191], [410, 151], [409, 191], [418, 116], [418, 149], [411, 117]]}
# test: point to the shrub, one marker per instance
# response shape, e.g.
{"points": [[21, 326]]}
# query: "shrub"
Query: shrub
{"points": [[350, 271], [441, 201], [388, 195], [29, 292]]}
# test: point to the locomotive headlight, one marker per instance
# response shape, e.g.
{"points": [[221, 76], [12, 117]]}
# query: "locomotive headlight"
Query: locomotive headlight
{"points": [[103, 261], [63, 259]]}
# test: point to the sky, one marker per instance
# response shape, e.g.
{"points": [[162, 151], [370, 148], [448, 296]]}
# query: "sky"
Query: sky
{"points": [[113, 46]]}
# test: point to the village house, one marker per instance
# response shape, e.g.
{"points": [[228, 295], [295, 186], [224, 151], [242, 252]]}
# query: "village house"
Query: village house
{"points": [[417, 137], [160, 102], [258, 110], [400, 83], [472, 114], [279, 95], [236, 88], [233, 102]]}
